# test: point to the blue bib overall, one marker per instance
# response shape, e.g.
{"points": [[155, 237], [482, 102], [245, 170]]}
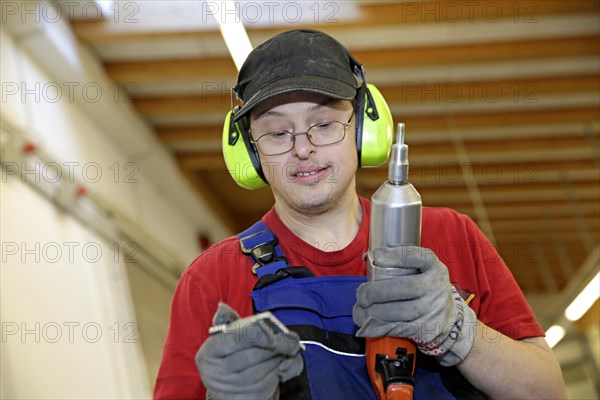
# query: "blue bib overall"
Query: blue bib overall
{"points": [[319, 310]]}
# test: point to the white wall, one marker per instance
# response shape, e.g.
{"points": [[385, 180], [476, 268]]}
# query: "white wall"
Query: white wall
{"points": [[63, 316], [69, 324]]}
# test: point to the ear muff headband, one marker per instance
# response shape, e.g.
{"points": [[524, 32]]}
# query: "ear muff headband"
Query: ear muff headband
{"points": [[359, 118]]}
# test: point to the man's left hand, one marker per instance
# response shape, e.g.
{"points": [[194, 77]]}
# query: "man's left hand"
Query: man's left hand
{"points": [[422, 306]]}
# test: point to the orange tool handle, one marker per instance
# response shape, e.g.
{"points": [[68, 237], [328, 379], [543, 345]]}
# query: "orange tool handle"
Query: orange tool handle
{"points": [[399, 354]]}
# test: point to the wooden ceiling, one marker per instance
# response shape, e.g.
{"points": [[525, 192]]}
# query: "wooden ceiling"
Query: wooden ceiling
{"points": [[500, 101]]}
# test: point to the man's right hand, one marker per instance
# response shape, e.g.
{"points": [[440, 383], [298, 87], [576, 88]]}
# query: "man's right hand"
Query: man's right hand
{"points": [[247, 359]]}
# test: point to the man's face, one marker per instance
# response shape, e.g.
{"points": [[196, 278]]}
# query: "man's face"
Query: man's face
{"points": [[308, 179]]}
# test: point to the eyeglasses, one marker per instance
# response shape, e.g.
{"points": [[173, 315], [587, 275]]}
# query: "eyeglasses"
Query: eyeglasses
{"points": [[321, 134]]}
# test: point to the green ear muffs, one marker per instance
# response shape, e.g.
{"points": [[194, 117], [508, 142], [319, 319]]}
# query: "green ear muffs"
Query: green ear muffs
{"points": [[374, 135], [241, 156]]}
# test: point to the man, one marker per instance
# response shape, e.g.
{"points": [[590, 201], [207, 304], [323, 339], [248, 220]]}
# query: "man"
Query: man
{"points": [[299, 91]]}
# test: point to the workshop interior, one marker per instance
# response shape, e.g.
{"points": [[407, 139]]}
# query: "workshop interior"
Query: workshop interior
{"points": [[113, 178]]}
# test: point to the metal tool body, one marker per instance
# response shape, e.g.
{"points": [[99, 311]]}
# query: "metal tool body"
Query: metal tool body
{"points": [[395, 222]]}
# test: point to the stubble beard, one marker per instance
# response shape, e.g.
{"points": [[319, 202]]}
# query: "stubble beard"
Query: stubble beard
{"points": [[321, 203]]}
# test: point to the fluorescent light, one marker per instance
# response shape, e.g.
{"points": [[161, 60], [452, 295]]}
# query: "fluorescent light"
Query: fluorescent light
{"points": [[584, 300], [107, 8], [554, 334], [233, 32]]}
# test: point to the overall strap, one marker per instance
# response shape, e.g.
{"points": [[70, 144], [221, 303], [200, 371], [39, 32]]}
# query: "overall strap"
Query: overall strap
{"points": [[261, 245]]}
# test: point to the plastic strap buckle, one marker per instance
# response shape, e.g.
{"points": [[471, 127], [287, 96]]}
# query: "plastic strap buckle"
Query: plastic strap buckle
{"points": [[261, 246]]}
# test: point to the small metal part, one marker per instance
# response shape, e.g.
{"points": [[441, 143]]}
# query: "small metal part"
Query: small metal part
{"points": [[265, 320]]}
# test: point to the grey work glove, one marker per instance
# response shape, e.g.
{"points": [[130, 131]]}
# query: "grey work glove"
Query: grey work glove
{"points": [[421, 305], [247, 358]]}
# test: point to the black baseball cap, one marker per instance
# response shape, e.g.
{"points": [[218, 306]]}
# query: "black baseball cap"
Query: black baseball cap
{"points": [[297, 60]]}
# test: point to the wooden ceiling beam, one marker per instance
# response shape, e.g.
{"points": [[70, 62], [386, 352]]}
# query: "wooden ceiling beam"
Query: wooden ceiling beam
{"points": [[525, 157], [506, 195], [178, 134], [453, 176], [453, 11], [519, 171], [206, 69], [461, 54], [508, 119], [501, 134], [522, 90], [428, 128], [517, 209], [215, 68], [503, 146], [434, 93], [370, 14], [181, 105], [194, 162], [515, 190]]}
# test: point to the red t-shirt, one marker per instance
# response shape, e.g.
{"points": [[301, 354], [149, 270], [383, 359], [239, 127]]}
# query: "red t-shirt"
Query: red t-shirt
{"points": [[223, 273]]}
